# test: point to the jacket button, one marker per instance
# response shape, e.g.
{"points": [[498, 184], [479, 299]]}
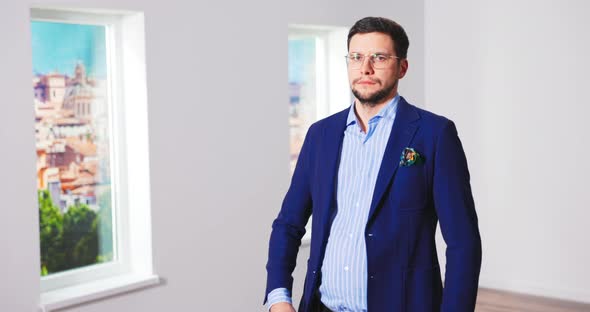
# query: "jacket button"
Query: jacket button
{"points": [[370, 234], [313, 272]]}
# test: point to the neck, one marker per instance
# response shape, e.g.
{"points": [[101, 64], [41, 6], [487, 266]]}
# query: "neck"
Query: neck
{"points": [[364, 111]]}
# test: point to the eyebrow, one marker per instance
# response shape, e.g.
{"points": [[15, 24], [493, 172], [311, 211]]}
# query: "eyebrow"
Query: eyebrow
{"points": [[351, 52]]}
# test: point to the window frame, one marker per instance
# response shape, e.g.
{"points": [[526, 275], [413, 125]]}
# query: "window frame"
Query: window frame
{"points": [[331, 83], [131, 267]]}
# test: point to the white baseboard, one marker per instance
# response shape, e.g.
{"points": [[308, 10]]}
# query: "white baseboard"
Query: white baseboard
{"points": [[524, 287]]}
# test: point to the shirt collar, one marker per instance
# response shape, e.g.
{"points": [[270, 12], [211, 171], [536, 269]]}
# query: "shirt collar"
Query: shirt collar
{"points": [[388, 111]]}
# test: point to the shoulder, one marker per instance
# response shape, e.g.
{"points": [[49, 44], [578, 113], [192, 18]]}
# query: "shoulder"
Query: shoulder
{"points": [[430, 121], [428, 117], [334, 121]]}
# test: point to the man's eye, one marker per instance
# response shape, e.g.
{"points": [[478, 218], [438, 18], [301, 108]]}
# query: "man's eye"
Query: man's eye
{"points": [[355, 57], [380, 58]]}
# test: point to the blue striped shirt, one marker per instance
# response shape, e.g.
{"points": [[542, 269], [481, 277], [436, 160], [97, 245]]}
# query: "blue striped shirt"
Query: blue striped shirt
{"points": [[344, 270]]}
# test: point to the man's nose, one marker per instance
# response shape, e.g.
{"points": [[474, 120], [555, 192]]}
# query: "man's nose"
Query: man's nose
{"points": [[367, 66]]}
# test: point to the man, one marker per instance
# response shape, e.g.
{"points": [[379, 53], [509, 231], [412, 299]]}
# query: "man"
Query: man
{"points": [[377, 178]]}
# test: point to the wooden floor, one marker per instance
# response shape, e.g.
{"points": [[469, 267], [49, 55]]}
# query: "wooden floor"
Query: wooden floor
{"points": [[499, 301]]}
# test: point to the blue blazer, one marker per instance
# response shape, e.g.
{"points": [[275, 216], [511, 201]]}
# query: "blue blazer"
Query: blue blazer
{"points": [[407, 203]]}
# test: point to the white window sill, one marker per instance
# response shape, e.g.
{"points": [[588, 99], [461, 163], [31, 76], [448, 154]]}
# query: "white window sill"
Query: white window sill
{"points": [[75, 295]]}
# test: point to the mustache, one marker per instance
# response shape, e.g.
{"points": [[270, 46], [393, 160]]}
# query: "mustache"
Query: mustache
{"points": [[375, 80]]}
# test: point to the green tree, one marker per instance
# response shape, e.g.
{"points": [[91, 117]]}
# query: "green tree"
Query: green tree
{"points": [[51, 232], [80, 237], [105, 228]]}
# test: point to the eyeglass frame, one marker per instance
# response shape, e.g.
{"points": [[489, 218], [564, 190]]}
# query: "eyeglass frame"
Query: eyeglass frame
{"points": [[372, 57]]}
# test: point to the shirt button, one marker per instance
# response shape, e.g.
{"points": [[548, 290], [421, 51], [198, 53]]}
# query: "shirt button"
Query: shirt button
{"points": [[370, 234], [350, 235], [313, 272], [346, 268], [357, 204]]}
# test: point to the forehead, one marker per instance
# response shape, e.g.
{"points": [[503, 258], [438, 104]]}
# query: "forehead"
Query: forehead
{"points": [[371, 43]]}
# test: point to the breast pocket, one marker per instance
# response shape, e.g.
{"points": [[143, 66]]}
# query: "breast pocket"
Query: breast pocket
{"points": [[410, 189]]}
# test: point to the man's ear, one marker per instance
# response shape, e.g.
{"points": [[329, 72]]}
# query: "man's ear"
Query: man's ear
{"points": [[402, 68]]}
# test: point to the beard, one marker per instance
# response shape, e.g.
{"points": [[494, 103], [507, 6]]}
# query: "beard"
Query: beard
{"points": [[376, 97]]}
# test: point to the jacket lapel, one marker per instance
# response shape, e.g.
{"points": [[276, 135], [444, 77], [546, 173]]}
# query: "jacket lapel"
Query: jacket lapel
{"points": [[333, 137], [402, 132]]}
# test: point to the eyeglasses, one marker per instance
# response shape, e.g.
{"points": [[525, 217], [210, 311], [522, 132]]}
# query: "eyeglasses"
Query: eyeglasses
{"points": [[378, 60]]}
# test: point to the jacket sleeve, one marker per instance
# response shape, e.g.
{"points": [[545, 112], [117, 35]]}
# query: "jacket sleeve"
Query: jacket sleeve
{"points": [[455, 208], [289, 226]]}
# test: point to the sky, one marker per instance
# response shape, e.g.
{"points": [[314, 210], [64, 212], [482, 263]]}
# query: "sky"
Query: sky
{"points": [[301, 54], [58, 47]]}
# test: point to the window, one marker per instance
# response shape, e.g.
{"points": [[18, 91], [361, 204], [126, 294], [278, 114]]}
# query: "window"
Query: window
{"points": [[73, 57], [318, 80], [94, 213], [318, 83]]}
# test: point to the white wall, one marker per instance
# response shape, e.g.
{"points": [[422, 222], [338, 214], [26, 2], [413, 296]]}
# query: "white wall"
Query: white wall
{"points": [[514, 76], [218, 139]]}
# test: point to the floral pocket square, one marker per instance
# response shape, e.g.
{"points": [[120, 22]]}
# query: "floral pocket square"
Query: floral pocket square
{"points": [[410, 157]]}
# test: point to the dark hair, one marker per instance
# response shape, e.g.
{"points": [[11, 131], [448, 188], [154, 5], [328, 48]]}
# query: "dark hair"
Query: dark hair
{"points": [[386, 26]]}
